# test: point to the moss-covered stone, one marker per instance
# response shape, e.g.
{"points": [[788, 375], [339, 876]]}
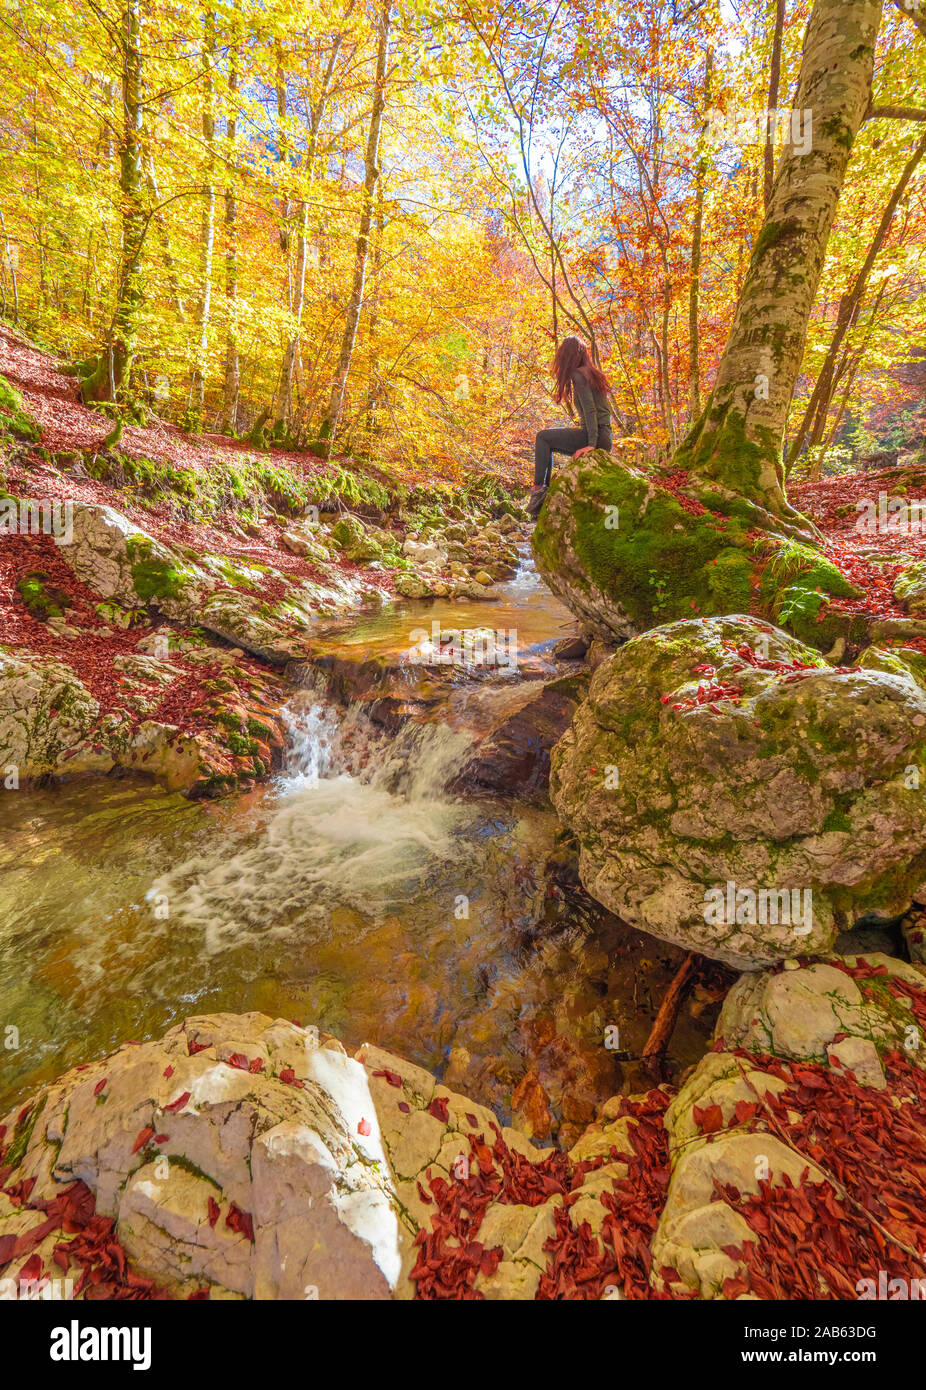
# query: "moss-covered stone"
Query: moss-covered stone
{"points": [[14, 418], [626, 553], [43, 599], [743, 758]]}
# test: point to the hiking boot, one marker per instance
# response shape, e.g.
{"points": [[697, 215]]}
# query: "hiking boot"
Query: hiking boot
{"points": [[535, 501]]}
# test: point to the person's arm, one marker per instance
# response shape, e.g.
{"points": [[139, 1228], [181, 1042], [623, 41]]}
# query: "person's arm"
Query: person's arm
{"points": [[585, 401]]}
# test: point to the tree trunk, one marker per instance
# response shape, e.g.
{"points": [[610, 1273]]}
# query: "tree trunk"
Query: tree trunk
{"points": [[114, 364], [283, 404], [232, 368], [371, 174], [170, 264], [773, 83], [736, 444], [694, 293], [207, 237], [819, 403]]}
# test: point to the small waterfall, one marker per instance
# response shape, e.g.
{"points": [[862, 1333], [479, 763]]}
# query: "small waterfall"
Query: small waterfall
{"points": [[356, 822]]}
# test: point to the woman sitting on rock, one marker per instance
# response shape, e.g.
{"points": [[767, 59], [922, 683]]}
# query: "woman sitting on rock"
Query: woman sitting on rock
{"points": [[581, 384]]}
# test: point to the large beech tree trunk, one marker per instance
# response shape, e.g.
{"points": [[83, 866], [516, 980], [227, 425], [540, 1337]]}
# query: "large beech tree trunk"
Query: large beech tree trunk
{"points": [[232, 368], [114, 367], [207, 235], [735, 446]]}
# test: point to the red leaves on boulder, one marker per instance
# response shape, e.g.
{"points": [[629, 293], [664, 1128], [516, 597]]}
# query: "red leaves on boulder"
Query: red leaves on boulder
{"points": [[288, 1077], [438, 1108], [100, 1086], [239, 1061], [168, 1072], [92, 1247], [179, 1103], [194, 1047], [256, 1066], [240, 1221], [214, 1210], [709, 1120], [404, 1107], [364, 1127], [392, 1077], [143, 1137]]}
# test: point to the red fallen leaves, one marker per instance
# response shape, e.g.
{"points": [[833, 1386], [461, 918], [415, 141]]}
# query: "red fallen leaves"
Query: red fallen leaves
{"points": [[405, 1107], [239, 1061], [194, 1047], [168, 1072], [240, 1221], [100, 1086], [451, 1257], [214, 1210], [143, 1137], [93, 1248], [438, 1108], [364, 1127], [707, 694], [178, 1104], [288, 1077], [257, 1065], [709, 1120], [392, 1077]]}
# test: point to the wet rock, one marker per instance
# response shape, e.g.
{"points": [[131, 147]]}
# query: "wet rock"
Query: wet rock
{"points": [[570, 649], [749, 808], [411, 586], [515, 759], [531, 1106]]}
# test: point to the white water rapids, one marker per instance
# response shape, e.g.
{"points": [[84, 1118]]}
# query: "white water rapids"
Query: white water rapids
{"points": [[355, 822]]}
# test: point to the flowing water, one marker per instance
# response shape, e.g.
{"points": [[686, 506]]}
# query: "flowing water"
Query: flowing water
{"points": [[353, 892]]}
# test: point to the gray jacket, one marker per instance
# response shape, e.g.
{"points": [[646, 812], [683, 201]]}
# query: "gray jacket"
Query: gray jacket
{"points": [[593, 409]]}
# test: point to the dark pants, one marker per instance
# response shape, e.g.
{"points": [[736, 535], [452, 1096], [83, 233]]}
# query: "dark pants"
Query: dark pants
{"points": [[564, 441]]}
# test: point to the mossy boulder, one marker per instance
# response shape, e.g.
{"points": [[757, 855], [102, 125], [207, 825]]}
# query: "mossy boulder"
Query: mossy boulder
{"points": [[625, 553], [351, 537], [910, 588], [118, 561], [896, 661], [722, 755], [43, 599], [14, 418]]}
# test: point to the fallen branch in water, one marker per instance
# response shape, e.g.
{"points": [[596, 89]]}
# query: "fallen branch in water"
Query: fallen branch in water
{"points": [[653, 1057]]}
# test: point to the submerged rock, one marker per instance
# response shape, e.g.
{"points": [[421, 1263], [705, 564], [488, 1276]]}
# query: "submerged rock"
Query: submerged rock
{"points": [[733, 794], [515, 758]]}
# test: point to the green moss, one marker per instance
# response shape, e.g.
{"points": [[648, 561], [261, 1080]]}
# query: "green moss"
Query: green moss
{"points": [[658, 561], [730, 581], [154, 578], [241, 745], [181, 1161], [22, 1134], [13, 414], [42, 599]]}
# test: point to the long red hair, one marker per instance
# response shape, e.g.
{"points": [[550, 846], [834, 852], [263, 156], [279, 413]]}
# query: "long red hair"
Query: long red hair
{"points": [[572, 357]]}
